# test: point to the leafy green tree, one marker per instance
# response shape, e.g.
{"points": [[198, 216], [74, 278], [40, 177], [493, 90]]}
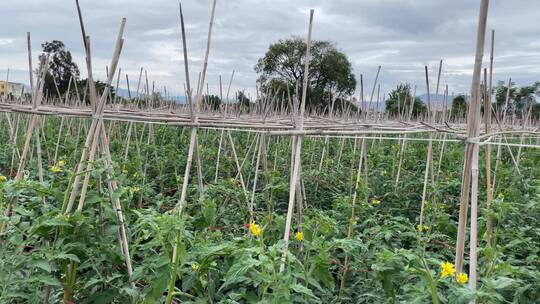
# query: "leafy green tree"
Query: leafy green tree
{"points": [[330, 70], [519, 99], [459, 106], [501, 90], [82, 86], [212, 101], [536, 111], [402, 94], [61, 68], [242, 100], [526, 97]]}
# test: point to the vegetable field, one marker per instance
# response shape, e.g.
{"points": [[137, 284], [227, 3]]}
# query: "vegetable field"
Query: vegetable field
{"points": [[388, 256]]}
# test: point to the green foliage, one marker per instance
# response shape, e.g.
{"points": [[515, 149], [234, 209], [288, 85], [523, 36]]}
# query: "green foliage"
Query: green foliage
{"points": [[400, 99], [281, 70], [212, 102], [77, 257], [459, 107], [519, 98], [61, 68]]}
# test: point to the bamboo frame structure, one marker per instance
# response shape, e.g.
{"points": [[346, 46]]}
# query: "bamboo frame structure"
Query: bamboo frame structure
{"points": [[265, 125]]}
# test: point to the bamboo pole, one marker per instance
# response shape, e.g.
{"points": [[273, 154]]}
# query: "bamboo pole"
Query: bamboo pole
{"points": [[470, 168], [372, 92], [297, 149], [429, 156], [353, 214], [487, 115], [193, 137]]}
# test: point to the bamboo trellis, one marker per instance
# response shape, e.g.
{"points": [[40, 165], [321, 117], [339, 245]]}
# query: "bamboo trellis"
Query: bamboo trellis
{"points": [[296, 123]]}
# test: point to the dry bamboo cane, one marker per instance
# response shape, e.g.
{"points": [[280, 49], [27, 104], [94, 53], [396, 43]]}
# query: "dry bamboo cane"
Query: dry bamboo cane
{"points": [[441, 154], [522, 136], [353, 216], [95, 133], [372, 93], [429, 157], [253, 145], [252, 203], [222, 131], [254, 156], [13, 139], [34, 119], [126, 150], [38, 151], [487, 113], [236, 161], [470, 167], [404, 143], [90, 143], [58, 139], [99, 133], [218, 155], [297, 149], [193, 137], [499, 147]]}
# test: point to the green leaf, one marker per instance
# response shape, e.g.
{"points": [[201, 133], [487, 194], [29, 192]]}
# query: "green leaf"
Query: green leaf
{"points": [[303, 290], [49, 280], [42, 264], [68, 256]]}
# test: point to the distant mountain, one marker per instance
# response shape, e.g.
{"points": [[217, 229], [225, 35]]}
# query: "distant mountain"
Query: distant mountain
{"points": [[125, 93], [437, 100]]}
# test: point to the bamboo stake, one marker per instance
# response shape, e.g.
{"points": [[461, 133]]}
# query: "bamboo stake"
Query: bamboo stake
{"points": [[470, 168], [193, 137], [429, 160], [372, 92], [487, 114], [297, 149], [353, 216]]}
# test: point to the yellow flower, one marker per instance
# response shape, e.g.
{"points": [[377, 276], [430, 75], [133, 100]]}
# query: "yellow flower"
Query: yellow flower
{"points": [[195, 266], [3, 178], [376, 202], [447, 269], [61, 163], [299, 236], [421, 228], [55, 169], [255, 229], [462, 278]]}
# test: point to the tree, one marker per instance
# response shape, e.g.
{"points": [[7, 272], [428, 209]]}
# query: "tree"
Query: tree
{"points": [[283, 64], [519, 99], [402, 94], [535, 113], [526, 97], [82, 87], [459, 106], [242, 100], [212, 101], [61, 68]]}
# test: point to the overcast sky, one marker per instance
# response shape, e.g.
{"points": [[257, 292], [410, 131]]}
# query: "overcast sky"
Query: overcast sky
{"points": [[400, 35]]}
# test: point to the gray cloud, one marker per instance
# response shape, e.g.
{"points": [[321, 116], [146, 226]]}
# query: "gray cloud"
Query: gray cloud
{"points": [[400, 35]]}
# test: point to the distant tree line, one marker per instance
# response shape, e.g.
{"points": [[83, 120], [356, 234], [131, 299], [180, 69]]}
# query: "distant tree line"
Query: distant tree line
{"points": [[331, 83]]}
